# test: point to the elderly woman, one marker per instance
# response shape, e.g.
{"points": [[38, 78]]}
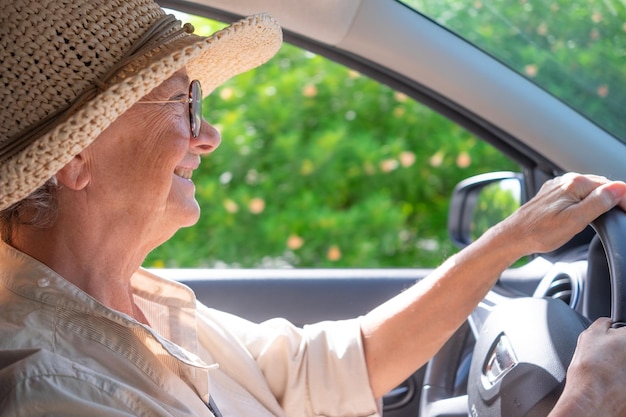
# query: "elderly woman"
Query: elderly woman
{"points": [[101, 130]]}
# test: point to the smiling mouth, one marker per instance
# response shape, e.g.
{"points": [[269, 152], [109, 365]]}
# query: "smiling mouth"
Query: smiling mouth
{"points": [[183, 172]]}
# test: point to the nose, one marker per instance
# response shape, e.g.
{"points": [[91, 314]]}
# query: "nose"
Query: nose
{"points": [[208, 140]]}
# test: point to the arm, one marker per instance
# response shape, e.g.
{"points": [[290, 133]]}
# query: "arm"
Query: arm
{"points": [[404, 333]]}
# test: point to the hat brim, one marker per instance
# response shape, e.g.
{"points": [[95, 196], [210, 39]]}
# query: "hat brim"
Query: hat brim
{"points": [[212, 60]]}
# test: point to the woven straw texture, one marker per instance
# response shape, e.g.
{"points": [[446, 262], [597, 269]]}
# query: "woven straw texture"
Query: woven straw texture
{"points": [[56, 53]]}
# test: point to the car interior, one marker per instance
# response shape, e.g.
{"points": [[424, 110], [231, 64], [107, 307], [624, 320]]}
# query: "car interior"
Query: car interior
{"points": [[519, 340]]}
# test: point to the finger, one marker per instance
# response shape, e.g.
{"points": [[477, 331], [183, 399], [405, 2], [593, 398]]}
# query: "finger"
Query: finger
{"points": [[619, 190], [595, 331], [580, 186], [601, 198], [597, 179], [600, 326]]}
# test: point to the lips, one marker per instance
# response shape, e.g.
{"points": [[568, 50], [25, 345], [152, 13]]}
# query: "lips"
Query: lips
{"points": [[183, 172]]}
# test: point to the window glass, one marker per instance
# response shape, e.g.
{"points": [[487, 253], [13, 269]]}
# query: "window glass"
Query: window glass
{"points": [[321, 166], [576, 50]]}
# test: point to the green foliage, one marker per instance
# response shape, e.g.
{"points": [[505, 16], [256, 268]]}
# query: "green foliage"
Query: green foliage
{"points": [[321, 166], [496, 202], [576, 49]]}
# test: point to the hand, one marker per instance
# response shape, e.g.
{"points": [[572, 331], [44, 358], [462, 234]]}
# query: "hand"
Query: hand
{"points": [[563, 207], [597, 375]]}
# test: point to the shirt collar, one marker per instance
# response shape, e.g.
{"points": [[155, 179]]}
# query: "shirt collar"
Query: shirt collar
{"points": [[169, 306]]}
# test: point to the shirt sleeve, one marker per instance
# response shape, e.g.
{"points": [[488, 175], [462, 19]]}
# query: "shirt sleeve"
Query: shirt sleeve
{"points": [[315, 370]]}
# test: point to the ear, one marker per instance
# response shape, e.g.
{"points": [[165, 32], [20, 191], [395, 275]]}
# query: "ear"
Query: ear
{"points": [[75, 174]]}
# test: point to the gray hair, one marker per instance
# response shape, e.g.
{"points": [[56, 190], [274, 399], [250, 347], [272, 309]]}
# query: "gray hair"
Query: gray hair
{"points": [[39, 209]]}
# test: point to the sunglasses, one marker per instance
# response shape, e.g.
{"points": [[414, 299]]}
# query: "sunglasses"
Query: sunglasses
{"points": [[195, 106]]}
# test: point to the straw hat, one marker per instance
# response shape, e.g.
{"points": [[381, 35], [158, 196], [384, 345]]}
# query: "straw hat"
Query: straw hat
{"points": [[68, 68]]}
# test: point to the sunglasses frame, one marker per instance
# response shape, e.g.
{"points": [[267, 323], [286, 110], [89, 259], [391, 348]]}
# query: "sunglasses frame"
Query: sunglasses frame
{"points": [[195, 106]]}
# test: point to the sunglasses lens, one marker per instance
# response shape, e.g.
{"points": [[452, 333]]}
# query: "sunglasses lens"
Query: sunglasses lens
{"points": [[195, 107]]}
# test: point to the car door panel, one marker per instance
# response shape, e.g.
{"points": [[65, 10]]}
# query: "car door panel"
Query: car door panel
{"points": [[312, 295]]}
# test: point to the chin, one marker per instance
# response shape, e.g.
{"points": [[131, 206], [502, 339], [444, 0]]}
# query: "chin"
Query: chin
{"points": [[182, 208], [188, 215]]}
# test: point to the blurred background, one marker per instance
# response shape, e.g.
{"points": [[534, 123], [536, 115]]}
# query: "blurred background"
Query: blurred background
{"points": [[321, 166]]}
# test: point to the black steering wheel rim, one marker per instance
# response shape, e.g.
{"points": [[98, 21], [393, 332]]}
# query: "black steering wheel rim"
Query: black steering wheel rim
{"points": [[611, 229]]}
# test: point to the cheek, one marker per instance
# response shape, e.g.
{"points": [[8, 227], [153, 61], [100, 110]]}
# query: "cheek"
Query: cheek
{"points": [[163, 140], [169, 120], [141, 149]]}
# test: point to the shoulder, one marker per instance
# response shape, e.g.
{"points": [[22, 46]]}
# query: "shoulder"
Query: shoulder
{"points": [[38, 381]]}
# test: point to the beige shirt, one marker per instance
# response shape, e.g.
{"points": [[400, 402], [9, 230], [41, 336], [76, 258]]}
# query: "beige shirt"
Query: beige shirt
{"points": [[62, 353]]}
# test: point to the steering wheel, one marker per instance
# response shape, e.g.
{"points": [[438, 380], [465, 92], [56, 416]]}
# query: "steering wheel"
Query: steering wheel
{"points": [[525, 345]]}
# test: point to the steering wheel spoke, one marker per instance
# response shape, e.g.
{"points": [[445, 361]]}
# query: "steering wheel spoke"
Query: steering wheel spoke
{"points": [[433, 405]]}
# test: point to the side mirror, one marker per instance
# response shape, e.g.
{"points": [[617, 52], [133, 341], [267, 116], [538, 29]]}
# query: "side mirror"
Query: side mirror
{"points": [[482, 201]]}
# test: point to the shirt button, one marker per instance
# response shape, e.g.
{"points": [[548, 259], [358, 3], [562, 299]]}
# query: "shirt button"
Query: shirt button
{"points": [[43, 282]]}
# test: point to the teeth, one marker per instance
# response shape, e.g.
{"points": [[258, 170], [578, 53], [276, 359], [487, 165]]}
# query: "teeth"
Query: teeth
{"points": [[183, 172]]}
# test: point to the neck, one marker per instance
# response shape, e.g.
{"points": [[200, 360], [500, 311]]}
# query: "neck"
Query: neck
{"points": [[99, 260]]}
